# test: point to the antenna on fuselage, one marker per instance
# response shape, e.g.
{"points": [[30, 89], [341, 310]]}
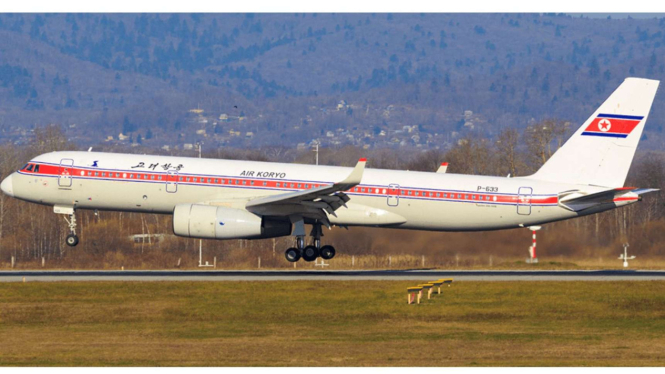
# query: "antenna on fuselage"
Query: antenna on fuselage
{"points": [[89, 149]]}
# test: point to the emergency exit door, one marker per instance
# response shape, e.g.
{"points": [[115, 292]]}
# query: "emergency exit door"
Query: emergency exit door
{"points": [[393, 195], [524, 200], [172, 181], [65, 172]]}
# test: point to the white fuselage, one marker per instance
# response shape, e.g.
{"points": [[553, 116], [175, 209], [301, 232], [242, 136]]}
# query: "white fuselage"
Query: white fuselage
{"points": [[391, 198]]}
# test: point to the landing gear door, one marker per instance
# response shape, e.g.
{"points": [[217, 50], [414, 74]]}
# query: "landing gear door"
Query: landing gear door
{"points": [[524, 200], [393, 195], [172, 181], [65, 173]]}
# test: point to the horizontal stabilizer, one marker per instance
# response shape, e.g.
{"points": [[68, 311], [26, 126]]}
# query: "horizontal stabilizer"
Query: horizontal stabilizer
{"points": [[577, 201]]}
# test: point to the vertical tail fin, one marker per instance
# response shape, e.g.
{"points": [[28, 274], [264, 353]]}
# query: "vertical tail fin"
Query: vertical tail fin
{"points": [[601, 151]]}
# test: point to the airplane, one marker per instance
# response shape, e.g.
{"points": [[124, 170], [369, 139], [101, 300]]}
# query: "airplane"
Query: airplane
{"points": [[230, 199]]}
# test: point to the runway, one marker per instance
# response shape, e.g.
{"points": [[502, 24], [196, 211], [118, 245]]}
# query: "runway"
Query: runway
{"points": [[334, 275]]}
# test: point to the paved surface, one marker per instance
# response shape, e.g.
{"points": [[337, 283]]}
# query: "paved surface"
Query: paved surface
{"points": [[274, 275]]}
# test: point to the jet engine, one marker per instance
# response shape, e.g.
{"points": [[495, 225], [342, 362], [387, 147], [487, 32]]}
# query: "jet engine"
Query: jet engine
{"points": [[216, 222]]}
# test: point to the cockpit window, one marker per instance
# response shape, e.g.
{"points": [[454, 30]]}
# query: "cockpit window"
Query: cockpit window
{"points": [[37, 168], [30, 167], [25, 167]]}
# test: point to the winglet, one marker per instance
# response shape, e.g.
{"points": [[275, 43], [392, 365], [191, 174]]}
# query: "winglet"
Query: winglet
{"points": [[356, 175], [443, 168]]}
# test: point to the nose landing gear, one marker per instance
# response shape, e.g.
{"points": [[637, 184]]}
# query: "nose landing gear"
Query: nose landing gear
{"points": [[72, 239]]}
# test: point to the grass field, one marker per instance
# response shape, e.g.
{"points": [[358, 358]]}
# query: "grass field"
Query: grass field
{"points": [[331, 323]]}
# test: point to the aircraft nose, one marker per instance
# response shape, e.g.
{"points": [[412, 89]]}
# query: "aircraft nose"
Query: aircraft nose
{"points": [[7, 186]]}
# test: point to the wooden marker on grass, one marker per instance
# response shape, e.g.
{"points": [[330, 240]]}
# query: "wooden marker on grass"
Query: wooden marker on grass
{"points": [[437, 284], [413, 294], [428, 287]]}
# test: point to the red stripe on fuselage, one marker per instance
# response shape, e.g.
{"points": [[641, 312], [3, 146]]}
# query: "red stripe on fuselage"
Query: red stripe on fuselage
{"points": [[164, 177]]}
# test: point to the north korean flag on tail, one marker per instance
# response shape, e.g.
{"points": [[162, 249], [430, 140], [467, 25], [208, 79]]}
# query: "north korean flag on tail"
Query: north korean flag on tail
{"points": [[612, 125]]}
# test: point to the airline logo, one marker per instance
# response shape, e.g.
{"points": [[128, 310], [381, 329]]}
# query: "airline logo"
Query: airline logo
{"points": [[612, 125]]}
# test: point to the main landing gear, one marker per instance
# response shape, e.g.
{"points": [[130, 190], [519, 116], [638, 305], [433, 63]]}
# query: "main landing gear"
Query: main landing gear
{"points": [[72, 240], [311, 252]]}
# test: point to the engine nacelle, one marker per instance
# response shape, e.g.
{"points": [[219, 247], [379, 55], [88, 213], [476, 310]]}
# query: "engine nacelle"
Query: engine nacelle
{"points": [[216, 222]]}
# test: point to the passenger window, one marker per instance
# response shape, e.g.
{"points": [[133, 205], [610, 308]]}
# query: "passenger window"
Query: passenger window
{"points": [[252, 182], [279, 184], [265, 183], [152, 176]]}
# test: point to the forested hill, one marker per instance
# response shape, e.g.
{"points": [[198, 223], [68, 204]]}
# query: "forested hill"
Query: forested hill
{"points": [[280, 78]]}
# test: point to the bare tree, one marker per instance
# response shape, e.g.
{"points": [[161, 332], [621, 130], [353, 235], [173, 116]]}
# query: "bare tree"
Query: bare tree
{"points": [[509, 156], [543, 139]]}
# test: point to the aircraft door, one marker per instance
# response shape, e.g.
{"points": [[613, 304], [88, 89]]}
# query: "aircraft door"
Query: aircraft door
{"points": [[524, 200], [393, 195], [65, 173], [172, 181]]}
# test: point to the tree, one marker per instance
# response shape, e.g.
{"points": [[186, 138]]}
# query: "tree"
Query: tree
{"points": [[50, 138], [509, 156], [127, 127], [543, 139]]}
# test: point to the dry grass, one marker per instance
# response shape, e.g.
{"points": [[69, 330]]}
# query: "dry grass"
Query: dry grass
{"points": [[331, 323], [116, 261]]}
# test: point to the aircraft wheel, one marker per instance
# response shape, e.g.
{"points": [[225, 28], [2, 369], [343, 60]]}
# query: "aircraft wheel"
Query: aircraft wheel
{"points": [[327, 252], [72, 240], [310, 253], [292, 255]]}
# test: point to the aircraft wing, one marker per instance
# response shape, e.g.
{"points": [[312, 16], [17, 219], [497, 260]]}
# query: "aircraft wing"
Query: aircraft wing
{"points": [[577, 201], [313, 203]]}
